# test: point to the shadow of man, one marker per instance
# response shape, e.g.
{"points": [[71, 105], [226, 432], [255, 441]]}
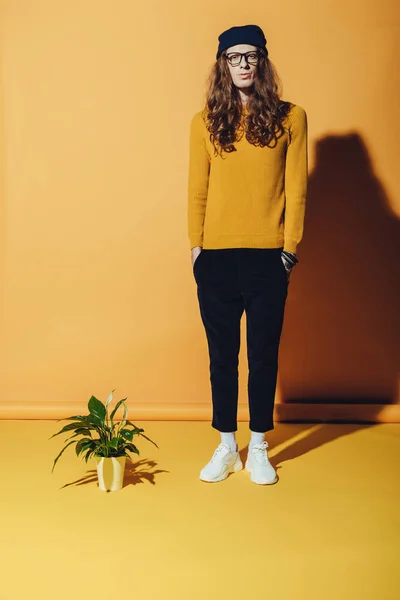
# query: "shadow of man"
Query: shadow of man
{"points": [[340, 341]]}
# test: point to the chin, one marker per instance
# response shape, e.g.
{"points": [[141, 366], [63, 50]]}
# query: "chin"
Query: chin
{"points": [[244, 84]]}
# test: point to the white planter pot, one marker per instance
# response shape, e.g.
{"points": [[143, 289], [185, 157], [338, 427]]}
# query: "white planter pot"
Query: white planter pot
{"points": [[110, 472]]}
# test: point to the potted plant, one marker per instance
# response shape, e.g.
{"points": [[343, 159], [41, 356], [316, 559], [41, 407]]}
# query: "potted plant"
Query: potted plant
{"points": [[111, 446]]}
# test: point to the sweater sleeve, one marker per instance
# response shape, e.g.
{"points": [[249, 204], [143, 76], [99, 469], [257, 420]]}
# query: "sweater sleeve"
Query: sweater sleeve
{"points": [[199, 170], [296, 174]]}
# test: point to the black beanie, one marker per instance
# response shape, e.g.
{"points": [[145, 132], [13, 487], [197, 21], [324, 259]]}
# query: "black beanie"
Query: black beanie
{"points": [[243, 34]]}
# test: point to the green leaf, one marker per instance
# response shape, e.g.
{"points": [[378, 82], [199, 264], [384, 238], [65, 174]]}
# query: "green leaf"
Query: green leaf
{"points": [[63, 450], [127, 434], [83, 444], [132, 448], [68, 418], [83, 431], [92, 420], [148, 439], [74, 418], [133, 424], [116, 407], [92, 423], [97, 410], [88, 454], [135, 431], [69, 427]]}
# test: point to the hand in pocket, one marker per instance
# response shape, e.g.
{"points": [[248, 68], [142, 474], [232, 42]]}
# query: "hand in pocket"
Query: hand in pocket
{"points": [[196, 251]]}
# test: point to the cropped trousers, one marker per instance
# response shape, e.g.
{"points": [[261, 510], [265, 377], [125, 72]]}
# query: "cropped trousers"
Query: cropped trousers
{"points": [[229, 282]]}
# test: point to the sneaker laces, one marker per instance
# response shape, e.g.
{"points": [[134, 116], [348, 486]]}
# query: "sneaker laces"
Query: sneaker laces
{"points": [[218, 451], [260, 453]]}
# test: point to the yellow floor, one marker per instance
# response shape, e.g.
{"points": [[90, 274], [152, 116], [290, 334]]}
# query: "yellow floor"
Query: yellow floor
{"points": [[329, 529]]}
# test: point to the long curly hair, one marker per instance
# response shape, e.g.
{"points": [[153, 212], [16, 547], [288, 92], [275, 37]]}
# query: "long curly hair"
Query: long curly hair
{"points": [[263, 124]]}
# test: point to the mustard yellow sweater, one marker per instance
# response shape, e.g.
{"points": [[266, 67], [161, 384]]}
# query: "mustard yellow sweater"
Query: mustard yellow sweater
{"points": [[252, 198]]}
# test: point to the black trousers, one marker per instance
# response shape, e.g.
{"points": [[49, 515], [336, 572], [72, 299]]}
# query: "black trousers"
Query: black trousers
{"points": [[230, 281]]}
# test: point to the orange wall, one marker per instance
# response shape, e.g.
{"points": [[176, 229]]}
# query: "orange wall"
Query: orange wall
{"points": [[97, 286]]}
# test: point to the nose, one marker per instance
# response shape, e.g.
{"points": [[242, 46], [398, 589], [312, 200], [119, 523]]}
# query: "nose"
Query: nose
{"points": [[246, 64]]}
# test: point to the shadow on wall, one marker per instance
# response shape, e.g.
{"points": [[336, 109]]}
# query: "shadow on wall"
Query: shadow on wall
{"points": [[340, 340]]}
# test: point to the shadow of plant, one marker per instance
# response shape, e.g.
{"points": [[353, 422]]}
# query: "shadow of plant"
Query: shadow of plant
{"points": [[135, 472]]}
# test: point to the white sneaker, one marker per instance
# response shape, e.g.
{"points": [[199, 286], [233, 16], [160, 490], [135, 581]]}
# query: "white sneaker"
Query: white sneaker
{"points": [[258, 465], [223, 462]]}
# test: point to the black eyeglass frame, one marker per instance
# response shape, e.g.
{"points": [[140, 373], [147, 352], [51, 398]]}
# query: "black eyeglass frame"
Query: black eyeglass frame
{"points": [[257, 52]]}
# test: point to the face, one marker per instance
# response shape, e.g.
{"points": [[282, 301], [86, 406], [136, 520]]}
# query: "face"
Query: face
{"points": [[244, 73]]}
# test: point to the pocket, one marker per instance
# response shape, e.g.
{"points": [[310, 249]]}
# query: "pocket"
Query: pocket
{"points": [[196, 261], [284, 269]]}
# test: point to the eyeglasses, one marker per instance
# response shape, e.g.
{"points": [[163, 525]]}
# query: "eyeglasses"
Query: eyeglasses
{"points": [[235, 58]]}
